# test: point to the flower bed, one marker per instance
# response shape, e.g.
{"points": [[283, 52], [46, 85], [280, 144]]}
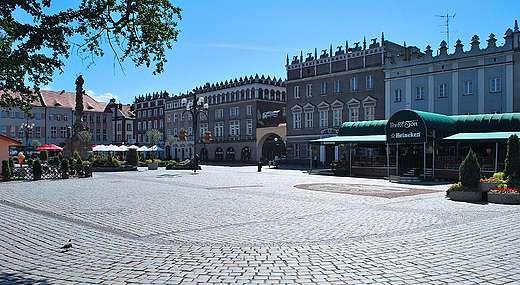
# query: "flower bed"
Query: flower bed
{"points": [[504, 196]]}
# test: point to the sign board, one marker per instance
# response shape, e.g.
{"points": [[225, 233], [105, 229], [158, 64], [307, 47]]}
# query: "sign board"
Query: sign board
{"points": [[405, 126]]}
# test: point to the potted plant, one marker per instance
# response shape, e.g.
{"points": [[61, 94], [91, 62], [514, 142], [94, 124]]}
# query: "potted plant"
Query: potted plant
{"points": [[37, 170], [44, 155], [64, 168], [504, 195], [487, 184], [6, 170], [469, 179]]}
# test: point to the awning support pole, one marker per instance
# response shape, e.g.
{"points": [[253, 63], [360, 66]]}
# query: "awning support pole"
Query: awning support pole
{"points": [[433, 160], [310, 159], [387, 162], [496, 157], [396, 159], [350, 158], [424, 160]]}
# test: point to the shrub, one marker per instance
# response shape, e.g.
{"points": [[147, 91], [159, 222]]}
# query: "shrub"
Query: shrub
{"points": [[44, 155], [172, 164], [37, 169], [512, 168], [105, 161], [132, 157], [64, 166], [90, 157], [55, 161], [499, 175], [469, 171], [459, 187], [12, 161], [76, 155], [6, 170], [29, 161]]}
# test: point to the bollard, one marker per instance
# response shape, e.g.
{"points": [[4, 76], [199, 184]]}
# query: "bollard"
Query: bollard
{"points": [[260, 166]]}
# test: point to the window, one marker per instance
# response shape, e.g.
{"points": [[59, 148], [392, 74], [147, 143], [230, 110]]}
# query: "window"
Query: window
{"points": [[20, 115], [234, 128], [104, 119], [65, 117], [296, 91], [138, 126], [190, 131], [168, 132], [144, 114], [249, 127], [128, 138], [12, 115], [129, 126], [249, 110], [419, 93], [91, 118], [139, 138], [98, 134], [495, 85], [63, 132], [370, 113], [219, 129], [39, 116], [53, 132], [20, 132], [4, 114], [51, 117], [175, 132], [13, 130], [161, 124], [398, 95], [168, 119], [149, 124], [138, 114], [468, 87], [354, 114], [297, 120], [161, 111], [219, 113], [308, 91], [353, 84], [155, 124], [155, 112], [149, 113], [309, 120], [202, 129], [38, 132], [175, 118], [58, 117], [324, 118], [104, 135], [323, 88], [337, 86], [98, 119], [3, 129], [233, 112], [336, 117], [370, 82], [443, 90], [118, 127], [296, 150]]}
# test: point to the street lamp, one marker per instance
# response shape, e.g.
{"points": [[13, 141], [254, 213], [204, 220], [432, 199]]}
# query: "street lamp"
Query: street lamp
{"points": [[281, 145], [195, 110], [26, 127]]}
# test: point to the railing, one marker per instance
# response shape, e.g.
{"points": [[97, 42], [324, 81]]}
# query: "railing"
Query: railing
{"points": [[372, 161], [454, 162], [54, 171]]}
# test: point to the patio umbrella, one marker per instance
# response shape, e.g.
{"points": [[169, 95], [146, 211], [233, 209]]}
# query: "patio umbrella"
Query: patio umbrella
{"points": [[143, 148], [54, 147], [43, 147]]}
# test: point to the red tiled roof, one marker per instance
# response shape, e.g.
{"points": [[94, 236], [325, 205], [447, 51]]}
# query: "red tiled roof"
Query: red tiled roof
{"points": [[10, 140], [67, 100]]}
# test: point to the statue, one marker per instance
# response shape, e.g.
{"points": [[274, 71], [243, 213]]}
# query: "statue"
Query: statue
{"points": [[73, 142]]}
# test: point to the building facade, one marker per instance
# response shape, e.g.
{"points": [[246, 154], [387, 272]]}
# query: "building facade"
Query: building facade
{"points": [[237, 109], [465, 82], [123, 121], [325, 91], [149, 111]]}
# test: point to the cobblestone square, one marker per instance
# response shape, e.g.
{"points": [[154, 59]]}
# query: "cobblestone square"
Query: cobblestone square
{"points": [[234, 225]]}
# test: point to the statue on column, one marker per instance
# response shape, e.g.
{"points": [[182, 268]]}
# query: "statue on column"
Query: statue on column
{"points": [[73, 142]]}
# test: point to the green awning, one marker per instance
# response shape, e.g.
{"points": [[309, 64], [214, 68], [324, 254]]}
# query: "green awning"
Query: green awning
{"points": [[491, 136], [351, 139], [363, 128]]}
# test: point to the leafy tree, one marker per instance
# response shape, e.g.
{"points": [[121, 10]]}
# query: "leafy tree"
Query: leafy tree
{"points": [[171, 140], [512, 168], [84, 136], [154, 136], [36, 144], [34, 44], [469, 171]]}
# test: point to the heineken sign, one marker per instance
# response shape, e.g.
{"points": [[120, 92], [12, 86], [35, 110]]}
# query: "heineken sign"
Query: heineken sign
{"points": [[405, 127]]}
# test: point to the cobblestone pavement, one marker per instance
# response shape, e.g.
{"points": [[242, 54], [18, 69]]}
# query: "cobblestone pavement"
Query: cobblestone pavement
{"points": [[234, 225]]}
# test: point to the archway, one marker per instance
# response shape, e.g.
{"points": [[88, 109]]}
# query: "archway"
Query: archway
{"points": [[246, 154], [219, 154], [274, 145], [204, 154], [168, 150], [230, 154]]}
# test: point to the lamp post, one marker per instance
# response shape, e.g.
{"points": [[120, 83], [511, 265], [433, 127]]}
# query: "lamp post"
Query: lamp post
{"points": [[281, 144], [26, 127], [195, 110]]}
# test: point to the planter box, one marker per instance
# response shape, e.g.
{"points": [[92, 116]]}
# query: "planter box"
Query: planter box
{"points": [[114, 168], [466, 196], [486, 186], [505, 198], [153, 165]]}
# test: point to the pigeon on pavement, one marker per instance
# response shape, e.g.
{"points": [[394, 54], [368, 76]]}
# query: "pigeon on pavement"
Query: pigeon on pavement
{"points": [[66, 246]]}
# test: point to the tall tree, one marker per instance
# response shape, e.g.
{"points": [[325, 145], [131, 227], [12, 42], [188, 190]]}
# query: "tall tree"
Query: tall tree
{"points": [[32, 49], [154, 136]]}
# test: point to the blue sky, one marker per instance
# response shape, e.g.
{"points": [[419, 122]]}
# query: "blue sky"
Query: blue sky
{"points": [[223, 40]]}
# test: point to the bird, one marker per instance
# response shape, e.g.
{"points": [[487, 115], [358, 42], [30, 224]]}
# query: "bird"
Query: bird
{"points": [[66, 246]]}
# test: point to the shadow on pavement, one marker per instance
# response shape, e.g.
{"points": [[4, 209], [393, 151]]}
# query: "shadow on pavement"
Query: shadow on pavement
{"points": [[6, 278]]}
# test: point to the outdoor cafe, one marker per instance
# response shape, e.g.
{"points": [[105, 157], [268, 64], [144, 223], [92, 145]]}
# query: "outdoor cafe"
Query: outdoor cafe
{"points": [[422, 144]]}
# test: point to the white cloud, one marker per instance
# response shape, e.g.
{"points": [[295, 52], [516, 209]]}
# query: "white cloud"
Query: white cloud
{"points": [[48, 88], [105, 97]]}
